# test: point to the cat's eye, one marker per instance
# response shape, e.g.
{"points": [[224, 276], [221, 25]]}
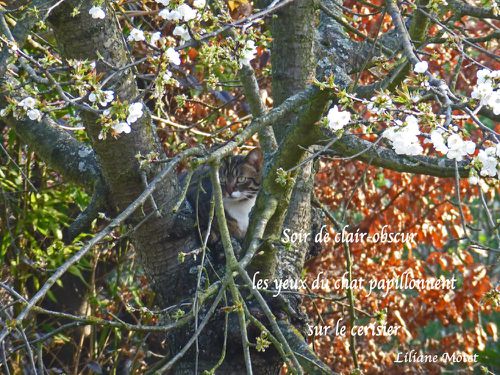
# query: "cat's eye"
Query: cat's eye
{"points": [[241, 179], [222, 180]]}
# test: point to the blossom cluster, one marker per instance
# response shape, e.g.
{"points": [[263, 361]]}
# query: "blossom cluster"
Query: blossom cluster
{"points": [[404, 136], [404, 133], [182, 13], [134, 113], [187, 20], [28, 104], [102, 97], [454, 147], [488, 160], [337, 119], [379, 104], [172, 12], [486, 90]]}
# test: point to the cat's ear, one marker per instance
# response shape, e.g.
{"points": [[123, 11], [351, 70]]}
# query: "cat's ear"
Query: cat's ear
{"points": [[255, 158]]}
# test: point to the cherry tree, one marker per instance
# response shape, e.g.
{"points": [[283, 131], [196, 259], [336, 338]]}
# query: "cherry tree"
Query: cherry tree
{"points": [[118, 96]]}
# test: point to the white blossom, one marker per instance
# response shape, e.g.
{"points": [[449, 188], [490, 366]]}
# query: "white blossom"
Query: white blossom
{"points": [[155, 37], [167, 75], [404, 137], [483, 75], [494, 102], [34, 114], [483, 91], [163, 2], [173, 56], [379, 104], [108, 97], [199, 4], [437, 140], [473, 179], [97, 12], [412, 124], [248, 52], [182, 32], [486, 89], [13, 47], [104, 98], [458, 148], [27, 103], [421, 67], [415, 97], [187, 13], [338, 119], [170, 15], [134, 112], [136, 35], [121, 127], [488, 161], [3, 112]]}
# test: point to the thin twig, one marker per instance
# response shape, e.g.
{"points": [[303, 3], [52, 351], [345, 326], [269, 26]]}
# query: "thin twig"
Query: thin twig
{"points": [[350, 294], [190, 342], [99, 236]]}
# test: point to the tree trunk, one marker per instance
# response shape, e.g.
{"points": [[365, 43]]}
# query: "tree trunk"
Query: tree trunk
{"points": [[159, 240], [293, 67]]}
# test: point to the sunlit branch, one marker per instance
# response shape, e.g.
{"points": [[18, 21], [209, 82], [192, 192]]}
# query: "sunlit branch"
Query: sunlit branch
{"points": [[233, 265]]}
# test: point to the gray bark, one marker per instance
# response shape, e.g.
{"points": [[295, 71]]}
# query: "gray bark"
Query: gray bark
{"points": [[75, 160], [82, 37], [158, 240]]}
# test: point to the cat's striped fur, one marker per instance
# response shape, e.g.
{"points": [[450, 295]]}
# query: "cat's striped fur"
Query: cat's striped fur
{"points": [[240, 178]]}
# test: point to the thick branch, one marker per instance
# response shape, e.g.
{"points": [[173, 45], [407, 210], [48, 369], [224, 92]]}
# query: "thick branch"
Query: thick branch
{"points": [[464, 9], [299, 137], [305, 355], [75, 160], [250, 85], [292, 54], [350, 145]]}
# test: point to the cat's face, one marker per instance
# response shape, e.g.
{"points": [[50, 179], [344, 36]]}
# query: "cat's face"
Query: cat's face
{"points": [[240, 176]]}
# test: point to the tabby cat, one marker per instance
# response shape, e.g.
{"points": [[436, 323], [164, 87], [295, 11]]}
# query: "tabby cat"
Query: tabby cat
{"points": [[240, 177]]}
